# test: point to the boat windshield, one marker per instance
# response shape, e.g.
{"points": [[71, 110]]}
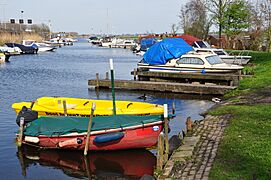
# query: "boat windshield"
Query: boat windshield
{"points": [[214, 60], [220, 53]]}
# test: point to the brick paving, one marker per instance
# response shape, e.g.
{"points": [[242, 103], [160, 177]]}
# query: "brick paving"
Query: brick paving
{"points": [[198, 166]]}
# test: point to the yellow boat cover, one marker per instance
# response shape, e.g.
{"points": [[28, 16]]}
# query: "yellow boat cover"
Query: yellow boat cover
{"points": [[53, 106]]}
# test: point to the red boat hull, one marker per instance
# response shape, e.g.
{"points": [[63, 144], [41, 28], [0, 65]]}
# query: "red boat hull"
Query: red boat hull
{"points": [[137, 137]]}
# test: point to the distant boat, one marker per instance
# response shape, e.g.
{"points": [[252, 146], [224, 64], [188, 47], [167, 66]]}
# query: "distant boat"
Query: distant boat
{"points": [[2, 57], [10, 50], [95, 40], [107, 132], [24, 49], [42, 47]]}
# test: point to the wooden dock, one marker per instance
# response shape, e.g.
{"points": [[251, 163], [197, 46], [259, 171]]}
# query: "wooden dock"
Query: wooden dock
{"points": [[228, 79], [163, 86]]}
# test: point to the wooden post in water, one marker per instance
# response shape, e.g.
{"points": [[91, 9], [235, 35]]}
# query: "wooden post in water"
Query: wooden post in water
{"points": [[134, 74], [166, 132], [107, 76], [21, 132], [113, 86], [173, 107], [160, 151], [65, 107], [89, 128], [87, 166], [97, 80], [189, 124]]}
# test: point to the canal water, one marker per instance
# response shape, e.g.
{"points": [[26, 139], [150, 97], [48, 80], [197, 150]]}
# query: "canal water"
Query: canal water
{"points": [[65, 73]]}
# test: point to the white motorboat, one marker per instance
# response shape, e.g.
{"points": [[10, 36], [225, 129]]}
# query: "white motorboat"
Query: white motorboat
{"points": [[229, 59], [42, 47], [11, 50], [2, 57], [203, 46], [193, 62], [122, 43]]}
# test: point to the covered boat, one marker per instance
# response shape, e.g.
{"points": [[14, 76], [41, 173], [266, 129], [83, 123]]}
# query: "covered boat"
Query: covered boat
{"points": [[107, 132], [161, 52], [53, 106], [25, 49]]}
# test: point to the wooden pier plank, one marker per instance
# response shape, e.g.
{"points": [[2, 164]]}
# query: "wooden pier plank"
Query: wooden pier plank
{"points": [[206, 76], [164, 86]]}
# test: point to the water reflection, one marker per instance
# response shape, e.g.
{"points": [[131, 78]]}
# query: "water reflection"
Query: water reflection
{"points": [[131, 164]]}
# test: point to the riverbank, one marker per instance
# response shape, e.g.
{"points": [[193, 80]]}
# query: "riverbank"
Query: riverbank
{"points": [[244, 149], [17, 38]]}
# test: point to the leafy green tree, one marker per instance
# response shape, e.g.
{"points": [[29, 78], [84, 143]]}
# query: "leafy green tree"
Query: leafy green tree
{"points": [[236, 18], [217, 8]]}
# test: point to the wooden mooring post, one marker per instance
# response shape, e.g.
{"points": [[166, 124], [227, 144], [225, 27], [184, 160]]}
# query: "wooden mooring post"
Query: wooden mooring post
{"points": [[65, 108], [189, 124], [160, 151], [21, 132], [89, 128], [166, 131], [163, 143], [97, 81], [106, 76]]}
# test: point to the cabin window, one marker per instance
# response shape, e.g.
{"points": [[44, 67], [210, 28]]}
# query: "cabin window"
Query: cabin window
{"points": [[220, 53], [214, 60], [190, 60]]}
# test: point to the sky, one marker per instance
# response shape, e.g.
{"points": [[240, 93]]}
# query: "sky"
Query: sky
{"points": [[96, 16]]}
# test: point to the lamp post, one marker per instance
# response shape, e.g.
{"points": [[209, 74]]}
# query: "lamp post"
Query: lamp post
{"points": [[22, 17]]}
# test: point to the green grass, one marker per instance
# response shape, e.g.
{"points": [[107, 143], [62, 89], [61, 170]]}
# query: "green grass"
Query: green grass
{"points": [[245, 150], [262, 75]]}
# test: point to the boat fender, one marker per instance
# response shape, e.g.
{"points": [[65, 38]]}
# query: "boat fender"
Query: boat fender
{"points": [[28, 115], [70, 142], [31, 139], [108, 137]]}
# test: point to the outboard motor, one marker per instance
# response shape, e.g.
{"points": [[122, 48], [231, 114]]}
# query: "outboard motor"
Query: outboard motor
{"points": [[28, 114]]}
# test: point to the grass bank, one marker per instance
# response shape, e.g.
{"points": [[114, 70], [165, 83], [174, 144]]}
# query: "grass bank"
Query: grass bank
{"points": [[245, 150], [17, 38]]}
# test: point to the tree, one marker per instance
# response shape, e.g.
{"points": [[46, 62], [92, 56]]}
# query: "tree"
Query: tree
{"points": [[236, 17], [256, 28], [218, 8], [194, 19], [174, 29], [266, 4]]}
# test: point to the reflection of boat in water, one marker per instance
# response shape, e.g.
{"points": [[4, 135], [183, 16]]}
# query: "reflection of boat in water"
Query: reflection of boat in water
{"points": [[130, 164]]}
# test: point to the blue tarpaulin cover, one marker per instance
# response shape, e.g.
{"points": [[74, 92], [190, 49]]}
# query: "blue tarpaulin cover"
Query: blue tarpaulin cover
{"points": [[146, 43], [165, 50]]}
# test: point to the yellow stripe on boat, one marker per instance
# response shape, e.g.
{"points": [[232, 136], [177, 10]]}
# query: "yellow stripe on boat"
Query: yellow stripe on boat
{"points": [[53, 106]]}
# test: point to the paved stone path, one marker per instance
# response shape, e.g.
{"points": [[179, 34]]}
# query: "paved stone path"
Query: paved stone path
{"points": [[210, 130]]}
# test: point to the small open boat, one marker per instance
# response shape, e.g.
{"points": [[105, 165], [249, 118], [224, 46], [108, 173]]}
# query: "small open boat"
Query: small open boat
{"points": [[107, 132], [53, 106]]}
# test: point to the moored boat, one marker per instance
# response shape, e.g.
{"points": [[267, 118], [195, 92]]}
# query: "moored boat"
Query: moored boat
{"points": [[194, 63], [53, 106], [107, 132], [24, 49]]}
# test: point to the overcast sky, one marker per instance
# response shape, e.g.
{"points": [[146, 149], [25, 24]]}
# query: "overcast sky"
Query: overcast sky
{"points": [[97, 16]]}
